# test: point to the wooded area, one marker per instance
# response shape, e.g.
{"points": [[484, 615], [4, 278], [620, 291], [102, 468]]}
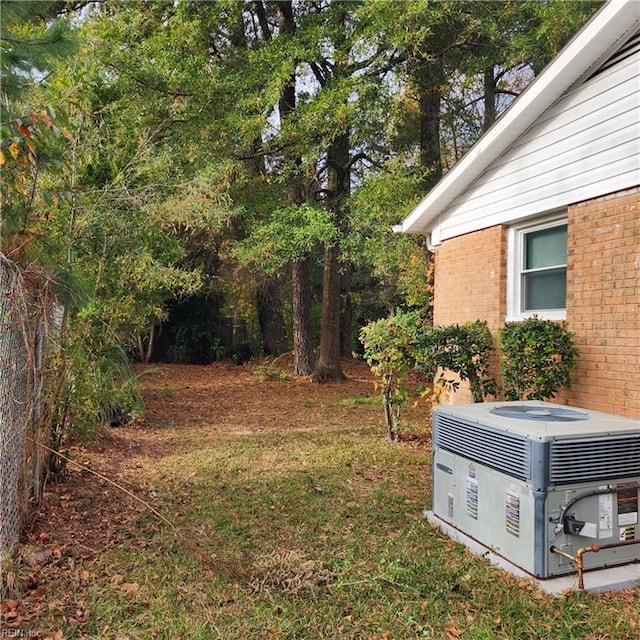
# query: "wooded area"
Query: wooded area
{"points": [[202, 180]]}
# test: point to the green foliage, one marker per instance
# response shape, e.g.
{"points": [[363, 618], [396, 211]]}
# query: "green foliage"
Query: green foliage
{"points": [[31, 43], [34, 130], [537, 358], [463, 349], [90, 380], [267, 370], [388, 350], [400, 263], [287, 234], [549, 26]]}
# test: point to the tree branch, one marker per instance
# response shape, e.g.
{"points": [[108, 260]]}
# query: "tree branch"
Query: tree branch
{"points": [[262, 20], [162, 90], [363, 156]]}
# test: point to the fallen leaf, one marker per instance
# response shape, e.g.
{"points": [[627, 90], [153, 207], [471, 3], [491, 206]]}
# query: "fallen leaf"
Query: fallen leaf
{"points": [[9, 605], [11, 616], [454, 633], [116, 578], [131, 588], [84, 577], [39, 592], [81, 617]]}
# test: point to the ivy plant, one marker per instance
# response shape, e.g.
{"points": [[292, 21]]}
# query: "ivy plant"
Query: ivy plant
{"points": [[537, 358]]}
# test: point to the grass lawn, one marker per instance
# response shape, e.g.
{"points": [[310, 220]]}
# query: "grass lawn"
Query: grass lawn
{"points": [[285, 515]]}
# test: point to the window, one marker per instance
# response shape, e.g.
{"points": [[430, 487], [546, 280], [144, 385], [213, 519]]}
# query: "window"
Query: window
{"points": [[538, 270]]}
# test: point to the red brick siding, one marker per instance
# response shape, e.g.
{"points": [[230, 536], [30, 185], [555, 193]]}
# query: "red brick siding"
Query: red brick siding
{"points": [[470, 283], [470, 279], [603, 302], [603, 296]]}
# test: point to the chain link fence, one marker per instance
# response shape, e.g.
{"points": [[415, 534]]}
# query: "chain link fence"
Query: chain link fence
{"points": [[26, 311]]}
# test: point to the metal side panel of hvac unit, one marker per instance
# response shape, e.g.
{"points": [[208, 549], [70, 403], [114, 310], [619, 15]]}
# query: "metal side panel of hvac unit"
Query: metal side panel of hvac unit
{"points": [[527, 479]]}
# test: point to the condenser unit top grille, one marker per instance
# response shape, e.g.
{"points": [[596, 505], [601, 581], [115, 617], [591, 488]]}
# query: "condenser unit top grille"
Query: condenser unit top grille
{"points": [[539, 414], [594, 459], [551, 445], [505, 452]]}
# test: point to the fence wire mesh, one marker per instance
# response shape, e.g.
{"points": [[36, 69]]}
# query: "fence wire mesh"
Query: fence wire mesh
{"points": [[25, 312]]}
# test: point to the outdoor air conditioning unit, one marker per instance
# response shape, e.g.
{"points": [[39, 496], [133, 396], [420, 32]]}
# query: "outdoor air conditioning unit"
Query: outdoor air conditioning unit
{"points": [[536, 482]]}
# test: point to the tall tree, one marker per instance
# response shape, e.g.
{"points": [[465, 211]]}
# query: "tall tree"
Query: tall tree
{"points": [[304, 102], [303, 353]]}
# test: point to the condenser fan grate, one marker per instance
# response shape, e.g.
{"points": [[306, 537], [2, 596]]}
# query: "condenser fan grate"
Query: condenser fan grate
{"points": [[539, 414]]}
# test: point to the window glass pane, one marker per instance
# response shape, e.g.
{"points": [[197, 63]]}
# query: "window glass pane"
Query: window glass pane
{"points": [[545, 289], [545, 248]]}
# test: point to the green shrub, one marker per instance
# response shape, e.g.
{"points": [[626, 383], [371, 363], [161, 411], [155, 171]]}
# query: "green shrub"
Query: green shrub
{"points": [[537, 359], [464, 349], [388, 350]]}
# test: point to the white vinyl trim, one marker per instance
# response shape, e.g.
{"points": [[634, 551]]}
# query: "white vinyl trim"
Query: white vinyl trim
{"points": [[515, 240]]}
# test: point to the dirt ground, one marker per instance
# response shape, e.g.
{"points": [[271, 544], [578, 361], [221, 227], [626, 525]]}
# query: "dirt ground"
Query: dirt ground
{"points": [[94, 507]]}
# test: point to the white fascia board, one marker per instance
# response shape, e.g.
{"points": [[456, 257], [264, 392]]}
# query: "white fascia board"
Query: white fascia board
{"points": [[616, 21]]}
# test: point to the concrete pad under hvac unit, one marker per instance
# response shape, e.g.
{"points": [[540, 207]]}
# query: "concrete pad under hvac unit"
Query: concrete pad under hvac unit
{"points": [[596, 581]]}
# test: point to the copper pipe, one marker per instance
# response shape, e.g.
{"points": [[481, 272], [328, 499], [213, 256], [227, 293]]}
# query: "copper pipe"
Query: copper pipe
{"points": [[594, 548], [577, 560]]}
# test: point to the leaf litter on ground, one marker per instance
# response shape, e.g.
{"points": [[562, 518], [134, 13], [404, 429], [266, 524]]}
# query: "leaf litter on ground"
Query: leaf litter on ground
{"points": [[287, 512]]}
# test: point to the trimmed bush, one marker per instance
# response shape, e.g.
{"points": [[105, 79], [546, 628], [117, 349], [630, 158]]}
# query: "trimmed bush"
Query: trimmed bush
{"points": [[537, 358]]}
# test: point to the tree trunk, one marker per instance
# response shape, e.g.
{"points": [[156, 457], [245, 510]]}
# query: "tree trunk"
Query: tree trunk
{"points": [[489, 98], [430, 80], [270, 316], [328, 366], [389, 416], [346, 312], [303, 356]]}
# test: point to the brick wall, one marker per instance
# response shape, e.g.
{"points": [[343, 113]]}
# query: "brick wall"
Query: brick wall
{"points": [[603, 297], [603, 302], [470, 284]]}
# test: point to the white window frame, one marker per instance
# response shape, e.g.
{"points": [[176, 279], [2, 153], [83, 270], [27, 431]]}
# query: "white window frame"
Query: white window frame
{"points": [[515, 256]]}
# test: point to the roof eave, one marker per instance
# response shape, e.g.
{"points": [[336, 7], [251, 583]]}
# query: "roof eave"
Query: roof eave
{"points": [[616, 21]]}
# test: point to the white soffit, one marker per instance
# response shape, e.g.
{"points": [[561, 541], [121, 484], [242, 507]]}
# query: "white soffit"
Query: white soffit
{"points": [[614, 23]]}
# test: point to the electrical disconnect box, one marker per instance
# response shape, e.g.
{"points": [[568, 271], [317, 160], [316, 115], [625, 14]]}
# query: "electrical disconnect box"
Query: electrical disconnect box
{"points": [[535, 482]]}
